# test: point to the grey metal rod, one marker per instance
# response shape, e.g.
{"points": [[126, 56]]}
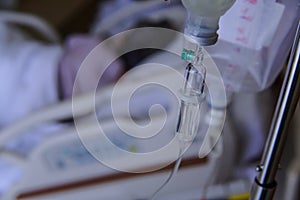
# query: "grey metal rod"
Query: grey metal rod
{"points": [[265, 184]]}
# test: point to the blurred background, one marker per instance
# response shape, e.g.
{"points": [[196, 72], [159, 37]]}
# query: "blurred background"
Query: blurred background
{"points": [[42, 45]]}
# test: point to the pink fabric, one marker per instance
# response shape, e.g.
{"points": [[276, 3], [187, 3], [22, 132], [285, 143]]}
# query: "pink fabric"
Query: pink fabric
{"points": [[77, 47]]}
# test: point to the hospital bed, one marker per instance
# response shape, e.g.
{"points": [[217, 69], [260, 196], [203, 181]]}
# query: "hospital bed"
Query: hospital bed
{"points": [[61, 167]]}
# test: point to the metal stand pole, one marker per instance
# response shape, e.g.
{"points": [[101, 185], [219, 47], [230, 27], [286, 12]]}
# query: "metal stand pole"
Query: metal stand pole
{"points": [[265, 184]]}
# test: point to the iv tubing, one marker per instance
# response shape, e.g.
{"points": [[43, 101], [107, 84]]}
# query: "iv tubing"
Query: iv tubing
{"points": [[187, 125], [173, 172]]}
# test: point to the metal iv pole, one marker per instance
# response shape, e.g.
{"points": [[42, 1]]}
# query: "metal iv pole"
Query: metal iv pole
{"points": [[265, 185]]}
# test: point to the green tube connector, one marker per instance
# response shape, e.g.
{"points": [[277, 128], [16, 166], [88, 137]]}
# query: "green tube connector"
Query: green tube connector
{"points": [[187, 55]]}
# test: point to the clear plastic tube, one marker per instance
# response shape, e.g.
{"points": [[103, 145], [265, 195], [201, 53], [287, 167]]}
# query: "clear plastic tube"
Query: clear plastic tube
{"points": [[191, 96]]}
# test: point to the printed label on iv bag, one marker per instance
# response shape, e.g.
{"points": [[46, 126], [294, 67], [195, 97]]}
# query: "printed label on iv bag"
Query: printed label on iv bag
{"points": [[251, 23], [244, 31]]}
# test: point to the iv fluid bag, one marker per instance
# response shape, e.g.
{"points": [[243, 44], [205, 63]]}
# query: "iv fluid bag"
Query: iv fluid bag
{"points": [[255, 37], [208, 8]]}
